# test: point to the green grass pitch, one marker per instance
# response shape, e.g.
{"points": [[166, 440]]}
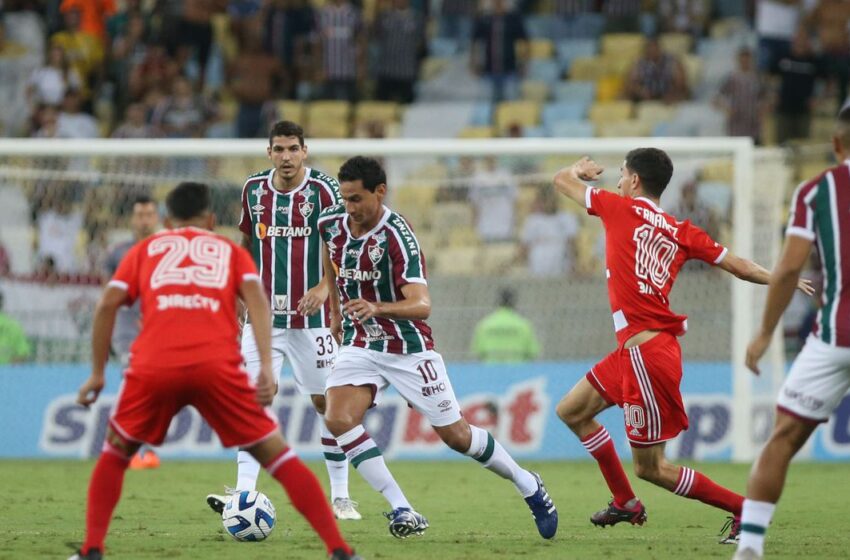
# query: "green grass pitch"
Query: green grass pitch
{"points": [[473, 515]]}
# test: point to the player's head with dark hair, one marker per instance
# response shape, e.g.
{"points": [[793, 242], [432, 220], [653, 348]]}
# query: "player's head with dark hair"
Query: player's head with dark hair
{"points": [[145, 217], [286, 129], [647, 169], [190, 203], [362, 186], [507, 298], [841, 136]]}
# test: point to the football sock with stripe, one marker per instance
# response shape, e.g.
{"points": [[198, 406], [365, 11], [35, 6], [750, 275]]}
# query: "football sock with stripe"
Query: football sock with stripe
{"points": [[107, 479], [493, 457], [307, 497], [601, 447], [336, 463], [247, 471], [755, 518], [365, 456], [697, 486]]}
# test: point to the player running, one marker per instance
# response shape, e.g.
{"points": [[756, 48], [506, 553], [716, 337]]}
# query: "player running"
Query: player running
{"points": [[644, 250], [188, 281], [280, 211], [374, 259], [820, 376]]}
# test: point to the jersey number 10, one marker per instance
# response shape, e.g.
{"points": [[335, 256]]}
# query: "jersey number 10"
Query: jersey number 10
{"points": [[654, 255], [210, 260]]}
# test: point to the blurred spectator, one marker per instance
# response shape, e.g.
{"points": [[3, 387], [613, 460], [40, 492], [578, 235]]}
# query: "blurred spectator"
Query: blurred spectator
{"points": [[9, 49], [93, 15], [341, 50], [183, 114], [72, 121], [5, 262], [59, 226], [622, 16], [505, 336], [244, 14], [500, 49], [830, 20], [493, 193], [156, 71], [14, 345], [684, 16], [400, 35], [128, 50], [776, 22], [116, 25], [289, 25], [253, 77], [195, 33], [135, 125], [45, 122], [548, 236], [456, 19], [742, 96], [48, 84], [84, 52], [656, 76], [798, 71], [690, 208]]}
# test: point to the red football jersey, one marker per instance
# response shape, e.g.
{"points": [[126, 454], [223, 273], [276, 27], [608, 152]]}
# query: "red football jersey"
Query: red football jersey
{"points": [[644, 250], [187, 280]]}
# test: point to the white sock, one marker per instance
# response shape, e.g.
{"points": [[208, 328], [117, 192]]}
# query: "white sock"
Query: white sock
{"points": [[365, 456], [336, 463], [755, 518], [248, 469], [490, 453]]}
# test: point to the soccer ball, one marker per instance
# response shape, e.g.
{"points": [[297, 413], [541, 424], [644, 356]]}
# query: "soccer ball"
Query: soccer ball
{"points": [[248, 516]]}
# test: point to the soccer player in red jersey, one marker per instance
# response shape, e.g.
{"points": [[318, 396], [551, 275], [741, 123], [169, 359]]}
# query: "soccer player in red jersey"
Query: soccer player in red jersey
{"points": [[188, 281], [644, 250]]}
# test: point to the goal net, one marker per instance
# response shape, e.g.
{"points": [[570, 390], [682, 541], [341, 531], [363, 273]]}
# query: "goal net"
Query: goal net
{"points": [[482, 210]]}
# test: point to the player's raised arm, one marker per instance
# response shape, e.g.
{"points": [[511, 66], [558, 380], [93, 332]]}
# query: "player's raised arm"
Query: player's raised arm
{"points": [[113, 297], [416, 306], [569, 181]]}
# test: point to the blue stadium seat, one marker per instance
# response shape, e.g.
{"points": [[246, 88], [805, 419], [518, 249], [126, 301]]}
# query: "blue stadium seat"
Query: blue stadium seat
{"points": [[538, 26], [583, 26], [482, 114], [544, 70], [571, 129], [568, 49], [535, 132], [442, 47], [564, 111], [574, 90], [717, 195]]}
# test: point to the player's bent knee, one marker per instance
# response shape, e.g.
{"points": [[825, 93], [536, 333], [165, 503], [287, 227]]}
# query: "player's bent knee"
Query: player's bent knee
{"points": [[649, 473], [571, 415], [457, 436], [128, 448]]}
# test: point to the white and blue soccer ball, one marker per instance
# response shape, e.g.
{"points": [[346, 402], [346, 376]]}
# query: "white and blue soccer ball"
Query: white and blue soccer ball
{"points": [[248, 516]]}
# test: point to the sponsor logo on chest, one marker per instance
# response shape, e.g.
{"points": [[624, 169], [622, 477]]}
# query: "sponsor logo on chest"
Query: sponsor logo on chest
{"points": [[261, 231]]}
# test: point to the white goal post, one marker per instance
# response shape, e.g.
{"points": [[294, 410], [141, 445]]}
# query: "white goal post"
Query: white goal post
{"points": [[759, 184]]}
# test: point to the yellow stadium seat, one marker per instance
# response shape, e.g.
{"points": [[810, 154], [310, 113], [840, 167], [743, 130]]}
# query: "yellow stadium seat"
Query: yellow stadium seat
{"points": [[617, 65], [329, 127], [587, 68], [609, 88], [676, 43], [541, 48], [717, 170], [693, 69], [431, 67], [498, 258], [476, 132], [290, 110], [522, 113], [447, 215], [654, 112], [457, 261], [463, 236], [621, 44], [534, 91], [610, 111], [383, 111], [623, 129], [328, 109], [227, 110]]}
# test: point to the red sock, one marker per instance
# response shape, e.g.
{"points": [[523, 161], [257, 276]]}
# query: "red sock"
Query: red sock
{"points": [[600, 446], [697, 486], [307, 496], [104, 493]]}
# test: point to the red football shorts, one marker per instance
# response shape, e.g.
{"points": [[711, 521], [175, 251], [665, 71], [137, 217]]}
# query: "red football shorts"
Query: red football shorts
{"points": [[644, 382], [221, 392]]}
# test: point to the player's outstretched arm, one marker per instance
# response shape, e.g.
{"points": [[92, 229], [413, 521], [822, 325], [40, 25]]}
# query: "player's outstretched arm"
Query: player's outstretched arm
{"points": [[254, 296], [103, 323], [750, 271], [416, 306], [569, 181], [783, 281]]}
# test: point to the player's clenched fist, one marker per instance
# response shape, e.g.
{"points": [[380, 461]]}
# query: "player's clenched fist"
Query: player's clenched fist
{"points": [[586, 169], [90, 390]]}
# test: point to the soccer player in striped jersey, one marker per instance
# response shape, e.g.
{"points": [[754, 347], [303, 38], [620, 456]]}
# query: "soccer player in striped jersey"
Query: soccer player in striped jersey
{"points": [[379, 308], [280, 212], [645, 248], [820, 375]]}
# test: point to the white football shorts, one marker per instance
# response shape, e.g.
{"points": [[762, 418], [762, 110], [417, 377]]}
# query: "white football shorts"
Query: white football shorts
{"points": [[420, 378], [818, 380], [310, 351]]}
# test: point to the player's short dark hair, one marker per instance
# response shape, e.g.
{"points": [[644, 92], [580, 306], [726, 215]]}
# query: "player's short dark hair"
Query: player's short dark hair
{"points": [[188, 200], [143, 199], [287, 128], [842, 124], [507, 298], [654, 168], [365, 169]]}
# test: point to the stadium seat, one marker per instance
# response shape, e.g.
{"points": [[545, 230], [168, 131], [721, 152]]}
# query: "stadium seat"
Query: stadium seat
{"points": [[482, 114], [477, 132], [693, 70], [583, 26], [461, 261], [442, 47], [540, 48], [535, 132], [462, 236], [290, 110], [522, 113], [447, 215], [436, 120], [538, 26], [533, 90], [609, 88], [571, 129], [569, 49], [574, 90], [617, 65], [496, 258], [432, 66], [622, 44], [329, 127], [717, 195], [653, 112], [610, 111], [676, 43], [588, 68], [624, 129], [564, 111], [381, 111], [544, 69]]}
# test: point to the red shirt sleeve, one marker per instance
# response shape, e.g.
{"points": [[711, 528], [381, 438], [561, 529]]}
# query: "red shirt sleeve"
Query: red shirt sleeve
{"points": [[126, 276], [602, 203], [700, 245], [244, 268]]}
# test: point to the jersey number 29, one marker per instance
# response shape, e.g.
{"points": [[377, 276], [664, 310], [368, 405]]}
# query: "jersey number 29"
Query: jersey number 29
{"points": [[210, 260]]}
